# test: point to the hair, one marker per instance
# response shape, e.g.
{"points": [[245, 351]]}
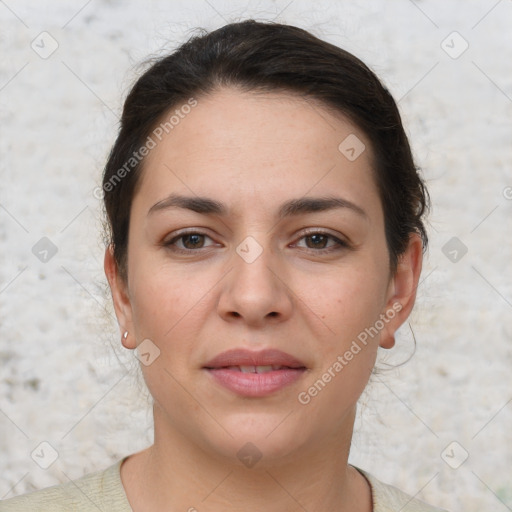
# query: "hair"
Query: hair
{"points": [[268, 57]]}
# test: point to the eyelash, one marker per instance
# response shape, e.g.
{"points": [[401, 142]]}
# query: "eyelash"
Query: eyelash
{"points": [[339, 244]]}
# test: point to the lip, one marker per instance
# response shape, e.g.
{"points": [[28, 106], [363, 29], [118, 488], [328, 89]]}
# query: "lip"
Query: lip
{"points": [[223, 368], [244, 357]]}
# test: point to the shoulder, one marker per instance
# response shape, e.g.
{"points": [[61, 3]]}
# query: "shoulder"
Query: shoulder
{"points": [[387, 498], [102, 490]]}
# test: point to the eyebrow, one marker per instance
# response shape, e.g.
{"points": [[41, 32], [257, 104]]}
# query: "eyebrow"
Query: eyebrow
{"points": [[207, 206]]}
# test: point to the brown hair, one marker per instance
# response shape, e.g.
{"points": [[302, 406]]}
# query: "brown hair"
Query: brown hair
{"points": [[267, 56]]}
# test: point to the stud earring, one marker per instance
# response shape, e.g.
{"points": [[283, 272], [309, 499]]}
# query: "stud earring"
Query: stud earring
{"points": [[125, 335]]}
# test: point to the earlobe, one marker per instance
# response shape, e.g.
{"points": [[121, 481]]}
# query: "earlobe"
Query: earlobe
{"points": [[125, 342], [120, 298], [402, 290], [387, 335]]}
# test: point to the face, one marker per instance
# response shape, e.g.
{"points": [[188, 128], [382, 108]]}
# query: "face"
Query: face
{"points": [[259, 271]]}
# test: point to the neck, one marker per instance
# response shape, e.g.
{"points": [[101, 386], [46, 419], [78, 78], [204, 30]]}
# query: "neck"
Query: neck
{"points": [[177, 473]]}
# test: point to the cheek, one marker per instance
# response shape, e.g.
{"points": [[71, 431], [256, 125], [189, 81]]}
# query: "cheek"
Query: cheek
{"points": [[347, 358], [170, 307], [349, 303], [347, 299], [169, 310], [163, 300]]}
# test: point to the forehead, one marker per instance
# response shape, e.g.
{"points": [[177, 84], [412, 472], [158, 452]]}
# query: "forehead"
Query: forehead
{"points": [[271, 144]]}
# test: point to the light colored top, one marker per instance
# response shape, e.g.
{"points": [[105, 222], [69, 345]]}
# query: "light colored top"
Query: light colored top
{"points": [[103, 491]]}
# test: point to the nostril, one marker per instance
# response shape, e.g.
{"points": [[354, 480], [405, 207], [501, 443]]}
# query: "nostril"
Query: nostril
{"points": [[273, 313]]}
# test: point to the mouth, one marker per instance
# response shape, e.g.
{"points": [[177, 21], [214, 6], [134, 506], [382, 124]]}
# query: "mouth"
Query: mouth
{"points": [[255, 374], [257, 369]]}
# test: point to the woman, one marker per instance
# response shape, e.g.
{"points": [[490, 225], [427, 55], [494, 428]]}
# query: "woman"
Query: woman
{"points": [[266, 230]]}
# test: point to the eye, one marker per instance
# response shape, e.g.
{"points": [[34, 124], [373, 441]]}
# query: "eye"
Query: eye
{"points": [[187, 242], [314, 241], [320, 241]]}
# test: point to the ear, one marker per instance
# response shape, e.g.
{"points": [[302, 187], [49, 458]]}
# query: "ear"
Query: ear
{"points": [[120, 297], [402, 290]]}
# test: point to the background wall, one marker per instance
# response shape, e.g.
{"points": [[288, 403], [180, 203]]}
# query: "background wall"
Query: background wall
{"points": [[65, 69]]}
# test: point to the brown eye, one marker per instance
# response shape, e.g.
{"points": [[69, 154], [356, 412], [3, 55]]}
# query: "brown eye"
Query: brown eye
{"points": [[317, 241], [320, 242], [193, 241], [188, 242]]}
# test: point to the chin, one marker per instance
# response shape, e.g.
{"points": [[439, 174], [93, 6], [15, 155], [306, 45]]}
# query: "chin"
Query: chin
{"points": [[262, 440]]}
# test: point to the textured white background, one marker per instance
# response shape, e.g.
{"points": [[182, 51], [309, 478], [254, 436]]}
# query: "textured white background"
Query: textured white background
{"points": [[64, 379]]}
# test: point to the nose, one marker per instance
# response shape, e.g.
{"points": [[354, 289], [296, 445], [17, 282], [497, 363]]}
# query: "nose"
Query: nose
{"points": [[255, 292]]}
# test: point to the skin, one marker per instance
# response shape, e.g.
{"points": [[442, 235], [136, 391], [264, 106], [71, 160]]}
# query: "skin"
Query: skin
{"points": [[252, 153]]}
